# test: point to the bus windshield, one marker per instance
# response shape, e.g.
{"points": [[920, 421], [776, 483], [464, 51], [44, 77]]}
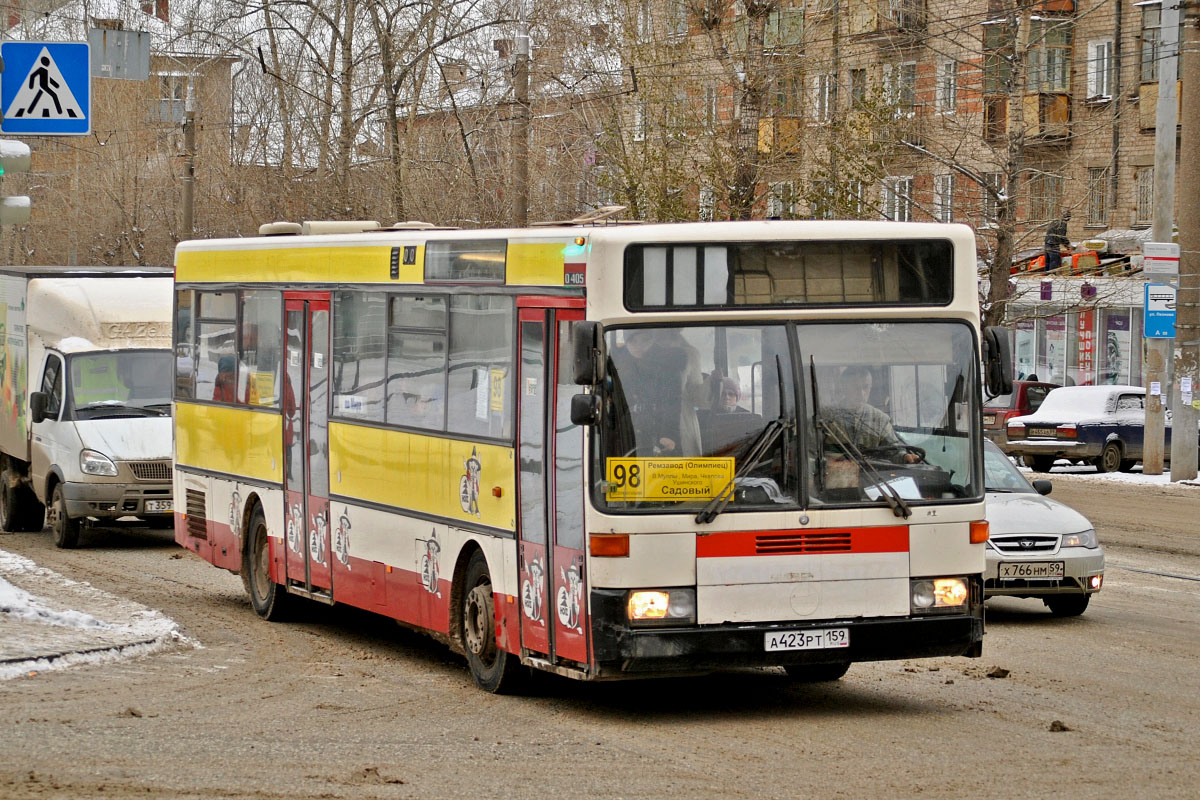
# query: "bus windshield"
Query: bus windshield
{"points": [[693, 411], [121, 383]]}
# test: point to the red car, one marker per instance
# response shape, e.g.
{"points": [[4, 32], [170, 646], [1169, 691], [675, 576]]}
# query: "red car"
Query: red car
{"points": [[1025, 398]]}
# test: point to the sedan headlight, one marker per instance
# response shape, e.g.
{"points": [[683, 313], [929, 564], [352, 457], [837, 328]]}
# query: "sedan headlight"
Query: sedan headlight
{"points": [[934, 595], [1085, 539], [662, 607], [96, 463]]}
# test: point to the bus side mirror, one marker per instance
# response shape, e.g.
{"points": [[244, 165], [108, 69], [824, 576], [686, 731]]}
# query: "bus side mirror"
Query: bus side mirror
{"points": [[585, 409], [587, 342], [37, 406], [997, 361]]}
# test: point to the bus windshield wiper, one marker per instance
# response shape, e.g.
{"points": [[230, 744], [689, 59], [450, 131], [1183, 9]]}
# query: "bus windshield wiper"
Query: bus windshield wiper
{"points": [[751, 457]]}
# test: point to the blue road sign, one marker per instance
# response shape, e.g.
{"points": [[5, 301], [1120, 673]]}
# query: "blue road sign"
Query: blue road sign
{"points": [[46, 89], [1159, 319]]}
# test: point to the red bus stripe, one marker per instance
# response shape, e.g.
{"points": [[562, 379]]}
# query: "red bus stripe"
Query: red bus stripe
{"points": [[828, 541]]}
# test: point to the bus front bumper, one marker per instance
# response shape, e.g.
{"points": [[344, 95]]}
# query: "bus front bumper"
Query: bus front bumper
{"points": [[619, 650]]}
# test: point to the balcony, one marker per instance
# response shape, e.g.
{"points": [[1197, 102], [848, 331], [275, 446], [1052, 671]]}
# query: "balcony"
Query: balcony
{"points": [[1000, 7], [1148, 104], [896, 22], [1046, 118]]}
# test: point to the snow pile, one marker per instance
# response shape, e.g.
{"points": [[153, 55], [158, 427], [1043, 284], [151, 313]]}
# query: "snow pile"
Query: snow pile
{"points": [[62, 622]]}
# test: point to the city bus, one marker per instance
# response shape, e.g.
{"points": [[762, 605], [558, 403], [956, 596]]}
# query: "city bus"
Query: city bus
{"points": [[603, 451]]}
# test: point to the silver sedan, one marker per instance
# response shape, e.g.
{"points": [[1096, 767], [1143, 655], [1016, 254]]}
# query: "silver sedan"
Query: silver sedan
{"points": [[1038, 546]]}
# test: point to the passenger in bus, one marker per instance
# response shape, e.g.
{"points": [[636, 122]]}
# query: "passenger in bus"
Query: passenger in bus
{"points": [[868, 429], [225, 385], [660, 381], [728, 398]]}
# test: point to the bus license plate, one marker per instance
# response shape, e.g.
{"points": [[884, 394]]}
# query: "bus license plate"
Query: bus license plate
{"points": [[823, 639], [158, 505], [1045, 570]]}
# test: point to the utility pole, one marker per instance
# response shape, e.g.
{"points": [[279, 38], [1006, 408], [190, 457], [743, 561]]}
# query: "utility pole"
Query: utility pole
{"points": [[1166, 119], [520, 140], [1187, 305], [189, 161]]}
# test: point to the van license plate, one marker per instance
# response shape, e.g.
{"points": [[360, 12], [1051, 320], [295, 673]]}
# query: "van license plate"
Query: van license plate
{"points": [[989, 419], [160, 506], [822, 639]]}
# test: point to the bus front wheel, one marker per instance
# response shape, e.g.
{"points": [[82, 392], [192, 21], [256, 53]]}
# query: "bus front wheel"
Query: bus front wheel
{"points": [[270, 600], [493, 669]]}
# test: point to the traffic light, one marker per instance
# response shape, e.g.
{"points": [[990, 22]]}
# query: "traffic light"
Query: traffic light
{"points": [[14, 157]]}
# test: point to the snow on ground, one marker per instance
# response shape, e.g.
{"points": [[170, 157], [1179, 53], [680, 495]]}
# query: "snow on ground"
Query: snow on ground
{"points": [[1076, 470], [50, 622]]}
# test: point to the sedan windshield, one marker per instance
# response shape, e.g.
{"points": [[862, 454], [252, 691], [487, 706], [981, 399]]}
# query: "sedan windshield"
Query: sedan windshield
{"points": [[121, 383], [708, 417], [999, 474]]}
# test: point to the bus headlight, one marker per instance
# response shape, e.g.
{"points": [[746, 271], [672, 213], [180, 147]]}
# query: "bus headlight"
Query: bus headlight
{"points": [[94, 463], [931, 595], [662, 607]]}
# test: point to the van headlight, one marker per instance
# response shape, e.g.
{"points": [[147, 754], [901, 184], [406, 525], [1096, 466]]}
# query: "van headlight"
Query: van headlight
{"points": [[939, 595], [1085, 539], [661, 607], [96, 463]]}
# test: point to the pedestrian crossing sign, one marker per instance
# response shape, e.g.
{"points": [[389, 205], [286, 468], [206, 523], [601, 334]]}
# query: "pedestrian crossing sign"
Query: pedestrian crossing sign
{"points": [[46, 89]]}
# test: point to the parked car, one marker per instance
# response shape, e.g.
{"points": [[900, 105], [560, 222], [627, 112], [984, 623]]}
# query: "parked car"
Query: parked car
{"points": [[1102, 425], [1038, 547], [1025, 398]]}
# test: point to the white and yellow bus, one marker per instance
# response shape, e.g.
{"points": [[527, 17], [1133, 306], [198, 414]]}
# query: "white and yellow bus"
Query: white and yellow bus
{"points": [[602, 451]]}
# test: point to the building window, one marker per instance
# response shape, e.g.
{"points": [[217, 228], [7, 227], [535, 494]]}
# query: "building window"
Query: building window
{"points": [[997, 58], [1097, 196], [856, 192], [822, 200], [707, 204], [781, 200], [823, 96], [947, 86], [1152, 46], [677, 19], [900, 80], [1048, 59], [787, 95], [943, 197], [992, 186], [710, 107], [1100, 69], [858, 88], [897, 198], [172, 96], [639, 121], [1144, 187], [1045, 197]]}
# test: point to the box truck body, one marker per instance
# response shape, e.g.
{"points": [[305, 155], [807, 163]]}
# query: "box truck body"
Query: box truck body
{"points": [[85, 398]]}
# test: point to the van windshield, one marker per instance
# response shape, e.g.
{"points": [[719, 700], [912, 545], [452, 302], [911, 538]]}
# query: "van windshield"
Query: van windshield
{"points": [[121, 383]]}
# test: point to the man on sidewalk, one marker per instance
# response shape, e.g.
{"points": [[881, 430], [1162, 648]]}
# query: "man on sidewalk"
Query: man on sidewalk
{"points": [[1056, 239]]}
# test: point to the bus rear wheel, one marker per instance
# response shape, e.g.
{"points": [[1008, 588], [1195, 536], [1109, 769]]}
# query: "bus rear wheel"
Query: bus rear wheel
{"points": [[817, 673], [270, 600], [493, 669]]}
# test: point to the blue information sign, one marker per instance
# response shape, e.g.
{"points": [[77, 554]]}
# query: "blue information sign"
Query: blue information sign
{"points": [[46, 89], [1159, 321]]}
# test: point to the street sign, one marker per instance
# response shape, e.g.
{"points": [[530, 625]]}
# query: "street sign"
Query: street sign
{"points": [[1160, 258], [46, 89], [1159, 320]]}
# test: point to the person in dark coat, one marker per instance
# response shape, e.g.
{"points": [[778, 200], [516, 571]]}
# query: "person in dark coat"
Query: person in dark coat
{"points": [[1056, 239]]}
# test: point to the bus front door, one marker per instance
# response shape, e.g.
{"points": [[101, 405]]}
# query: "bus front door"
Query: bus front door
{"points": [[550, 532], [305, 438]]}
